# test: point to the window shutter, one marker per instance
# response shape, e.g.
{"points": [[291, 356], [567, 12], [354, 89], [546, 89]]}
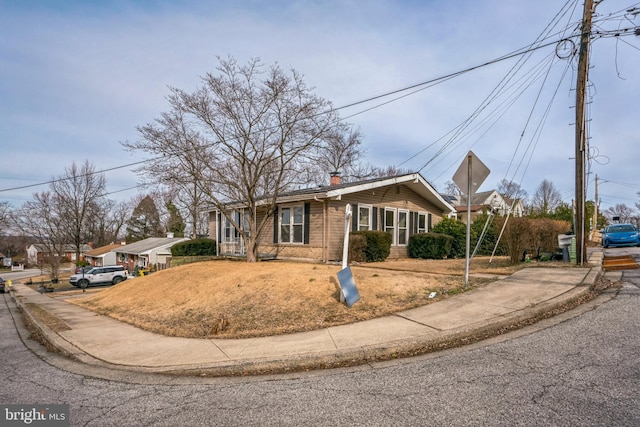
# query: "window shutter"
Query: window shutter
{"points": [[354, 218], [307, 216], [374, 223], [429, 222], [412, 223], [219, 218], [275, 225]]}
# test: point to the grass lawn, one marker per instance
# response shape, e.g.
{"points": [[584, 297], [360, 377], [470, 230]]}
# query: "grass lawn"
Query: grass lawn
{"points": [[234, 299]]}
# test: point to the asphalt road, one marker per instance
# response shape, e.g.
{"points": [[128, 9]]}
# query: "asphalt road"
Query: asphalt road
{"points": [[577, 369]]}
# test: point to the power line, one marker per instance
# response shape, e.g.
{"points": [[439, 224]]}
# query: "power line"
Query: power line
{"points": [[414, 88]]}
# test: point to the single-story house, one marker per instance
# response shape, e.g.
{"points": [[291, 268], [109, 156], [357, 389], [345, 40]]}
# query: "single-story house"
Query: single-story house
{"points": [[104, 255], [37, 252], [151, 252], [483, 202], [310, 224]]}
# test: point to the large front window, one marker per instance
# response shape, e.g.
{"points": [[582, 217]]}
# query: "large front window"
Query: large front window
{"points": [[292, 224], [396, 223], [230, 233]]}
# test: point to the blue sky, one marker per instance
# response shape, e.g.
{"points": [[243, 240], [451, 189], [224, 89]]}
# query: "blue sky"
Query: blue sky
{"points": [[77, 77]]}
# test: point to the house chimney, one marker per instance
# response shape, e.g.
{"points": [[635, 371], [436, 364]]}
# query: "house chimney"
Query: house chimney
{"points": [[334, 178]]}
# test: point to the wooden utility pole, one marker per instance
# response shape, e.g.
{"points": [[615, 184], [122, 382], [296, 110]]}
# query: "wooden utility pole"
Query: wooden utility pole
{"points": [[583, 68], [595, 208]]}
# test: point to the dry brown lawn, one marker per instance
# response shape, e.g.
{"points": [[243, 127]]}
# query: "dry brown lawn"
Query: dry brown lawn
{"points": [[233, 299]]}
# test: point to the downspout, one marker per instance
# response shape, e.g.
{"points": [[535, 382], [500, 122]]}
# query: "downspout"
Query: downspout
{"points": [[325, 256], [217, 234]]}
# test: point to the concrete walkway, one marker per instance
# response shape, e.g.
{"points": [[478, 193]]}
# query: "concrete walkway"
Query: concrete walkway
{"points": [[102, 341]]}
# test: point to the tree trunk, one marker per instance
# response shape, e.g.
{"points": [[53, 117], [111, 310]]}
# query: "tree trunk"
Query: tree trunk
{"points": [[252, 251]]}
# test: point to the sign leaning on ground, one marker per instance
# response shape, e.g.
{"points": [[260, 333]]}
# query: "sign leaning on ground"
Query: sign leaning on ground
{"points": [[348, 286], [348, 290]]}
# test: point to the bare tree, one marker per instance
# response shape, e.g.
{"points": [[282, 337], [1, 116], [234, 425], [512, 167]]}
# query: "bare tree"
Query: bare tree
{"points": [[365, 171], [5, 217], [451, 187], [254, 134], [107, 225], [546, 198], [79, 195], [511, 189], [341, 153], [624, 213], [174, 174], [40, 219]]}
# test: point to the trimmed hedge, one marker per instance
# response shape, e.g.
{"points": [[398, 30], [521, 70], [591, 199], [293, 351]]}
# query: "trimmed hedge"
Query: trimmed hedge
{"points": [[457, 230], [195, 247], [430, 245], [377, 245]]}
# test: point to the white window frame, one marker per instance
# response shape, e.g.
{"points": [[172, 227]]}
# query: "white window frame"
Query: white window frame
{"points": [[393, 227], [229, 232], [424, 229], [369, 226], [401, 212], [291, 224]]}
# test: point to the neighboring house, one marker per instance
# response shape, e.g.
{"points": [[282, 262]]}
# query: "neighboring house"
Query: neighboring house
{"points": [[37, 252], [104, 255], [154, 252], [309, 224], [483, 202]]}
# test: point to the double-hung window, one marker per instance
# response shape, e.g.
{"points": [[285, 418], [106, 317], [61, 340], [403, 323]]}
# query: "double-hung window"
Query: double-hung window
{"points": [[422, 223], [291, 224], [364, 217], [390, 223], [403, 227]]}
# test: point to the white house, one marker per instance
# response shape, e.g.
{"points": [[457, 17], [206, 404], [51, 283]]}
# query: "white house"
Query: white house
{"points": [[484, 201], [37, 252], [152, 252], [102, 256]]}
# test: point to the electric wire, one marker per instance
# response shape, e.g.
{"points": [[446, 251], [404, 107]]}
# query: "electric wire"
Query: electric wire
{"points": [[413, 88], [502, 84]]}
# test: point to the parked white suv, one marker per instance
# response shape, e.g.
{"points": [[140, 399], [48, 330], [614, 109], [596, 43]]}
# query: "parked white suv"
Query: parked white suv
{"points": [[99, 276]]}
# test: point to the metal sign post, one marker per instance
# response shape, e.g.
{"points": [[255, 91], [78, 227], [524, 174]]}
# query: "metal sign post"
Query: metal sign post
{"points": [[469, 177]]}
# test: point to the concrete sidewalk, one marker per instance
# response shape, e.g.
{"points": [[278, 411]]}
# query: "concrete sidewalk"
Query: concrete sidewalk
{"points": [[102, 341]]}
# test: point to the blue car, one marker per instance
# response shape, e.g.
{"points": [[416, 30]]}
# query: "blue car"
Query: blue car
{"points": [[620, 235]]}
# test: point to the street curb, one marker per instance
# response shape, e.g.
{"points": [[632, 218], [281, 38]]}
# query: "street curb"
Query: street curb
{"points": [[340, 358], [394, 350]]}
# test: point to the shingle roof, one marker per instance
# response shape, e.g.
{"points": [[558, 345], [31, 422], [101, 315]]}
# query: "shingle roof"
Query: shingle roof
{"points": [[149, 244], [103, 249], [413, 180]]}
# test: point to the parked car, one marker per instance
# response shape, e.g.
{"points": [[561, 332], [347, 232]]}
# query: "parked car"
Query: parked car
{"points": [[2, 285], [620, 235], [113, 274]]}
